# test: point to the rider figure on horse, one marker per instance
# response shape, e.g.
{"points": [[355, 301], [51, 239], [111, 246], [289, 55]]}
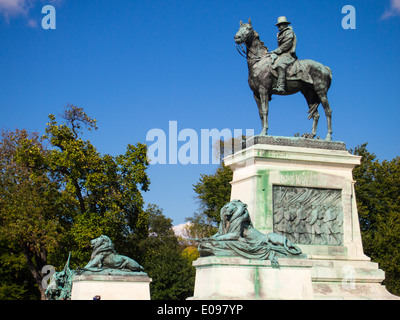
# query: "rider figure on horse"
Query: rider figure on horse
{"points": [[285, 55]]}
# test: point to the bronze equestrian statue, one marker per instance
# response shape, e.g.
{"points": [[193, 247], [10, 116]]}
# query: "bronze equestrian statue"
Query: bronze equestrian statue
{"points": [[280, 72]]}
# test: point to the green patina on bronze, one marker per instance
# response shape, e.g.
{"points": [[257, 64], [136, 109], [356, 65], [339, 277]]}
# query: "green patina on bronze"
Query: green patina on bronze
{"points": [[104, 261], [236, 236], [61, 284], [280, 72]]}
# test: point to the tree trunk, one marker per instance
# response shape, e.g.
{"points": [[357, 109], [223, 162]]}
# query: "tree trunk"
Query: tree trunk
{"points": [[36, 270]]}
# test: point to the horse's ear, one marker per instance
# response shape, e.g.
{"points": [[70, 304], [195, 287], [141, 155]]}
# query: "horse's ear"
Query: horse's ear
{"points": [[241, 22], [250, 22]]}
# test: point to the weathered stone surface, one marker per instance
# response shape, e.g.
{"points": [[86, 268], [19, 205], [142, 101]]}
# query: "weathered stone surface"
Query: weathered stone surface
{"points": [[129, 287], [294, 142], [340, 271], [226, 278]]}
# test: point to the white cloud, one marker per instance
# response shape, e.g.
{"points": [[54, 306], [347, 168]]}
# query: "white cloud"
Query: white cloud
{"points": [[32, 23], [10, 8], [393, 11], [14, 8]]}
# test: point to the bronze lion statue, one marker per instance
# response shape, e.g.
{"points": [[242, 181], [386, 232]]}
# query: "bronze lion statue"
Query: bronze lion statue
{"points": [[105, 257], [236, 236]]}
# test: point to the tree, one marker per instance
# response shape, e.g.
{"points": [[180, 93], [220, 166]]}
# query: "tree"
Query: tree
{"points": [[58, 199], [378, 201], [103, 192], [30, 209], [165, 260], [214, 191], [200, 226], [16, 283]]}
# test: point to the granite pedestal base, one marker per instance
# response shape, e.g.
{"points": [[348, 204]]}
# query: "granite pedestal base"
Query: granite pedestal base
{"points": [[85, 287], [311, 183], [231, 278], [337, 276]]}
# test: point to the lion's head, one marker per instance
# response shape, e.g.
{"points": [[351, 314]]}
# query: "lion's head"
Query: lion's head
{"points": [[101, 244], [231, 208]]}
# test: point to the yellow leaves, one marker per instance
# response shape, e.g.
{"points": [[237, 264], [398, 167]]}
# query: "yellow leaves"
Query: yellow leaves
{"points": [[39, 209], [191, 253]]}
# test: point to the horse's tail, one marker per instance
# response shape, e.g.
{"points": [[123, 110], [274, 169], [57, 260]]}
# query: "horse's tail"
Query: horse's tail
{"points": [[330, 72]]}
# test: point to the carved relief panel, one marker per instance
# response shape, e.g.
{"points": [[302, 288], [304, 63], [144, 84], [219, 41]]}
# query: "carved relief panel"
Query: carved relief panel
{"points": [[308, 215]]}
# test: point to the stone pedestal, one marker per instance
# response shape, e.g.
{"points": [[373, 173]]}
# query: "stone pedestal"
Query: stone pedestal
{"points": [[111, 287], [231, 278], [304, 189], [295, 162]]}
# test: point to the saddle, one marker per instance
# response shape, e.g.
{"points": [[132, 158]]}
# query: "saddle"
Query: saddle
{"points": [[296, 71]]}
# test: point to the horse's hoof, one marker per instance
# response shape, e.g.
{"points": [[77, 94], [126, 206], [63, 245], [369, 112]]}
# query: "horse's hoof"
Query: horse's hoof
{"points": [[264, 133], [308, 136], [328, 138]]}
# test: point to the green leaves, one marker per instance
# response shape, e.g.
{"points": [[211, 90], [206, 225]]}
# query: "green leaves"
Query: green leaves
{"points": [[378, 202], [163, 259], [106, 189], [214, 191], [56, 200], [31, 211]]}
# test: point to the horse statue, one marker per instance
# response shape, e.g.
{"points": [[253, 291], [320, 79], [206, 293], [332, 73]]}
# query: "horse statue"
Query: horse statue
{"points": [[309, 77]]}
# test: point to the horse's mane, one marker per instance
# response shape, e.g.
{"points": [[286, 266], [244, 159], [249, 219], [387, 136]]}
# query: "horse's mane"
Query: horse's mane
{"points": [[257, 37]]}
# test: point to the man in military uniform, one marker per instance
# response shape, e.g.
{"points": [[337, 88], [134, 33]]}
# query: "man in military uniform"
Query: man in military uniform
{"points": [[285, 55]]}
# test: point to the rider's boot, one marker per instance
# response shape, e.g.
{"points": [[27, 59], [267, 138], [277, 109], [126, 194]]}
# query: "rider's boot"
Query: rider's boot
{"points": [[280, 85]]}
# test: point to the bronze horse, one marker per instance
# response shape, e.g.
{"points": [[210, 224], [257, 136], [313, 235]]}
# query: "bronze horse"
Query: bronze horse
{"points": [[262, 80]]}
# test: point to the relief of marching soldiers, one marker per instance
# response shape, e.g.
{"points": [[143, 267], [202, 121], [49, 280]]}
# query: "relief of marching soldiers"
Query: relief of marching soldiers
{"points": [[308, 216]]}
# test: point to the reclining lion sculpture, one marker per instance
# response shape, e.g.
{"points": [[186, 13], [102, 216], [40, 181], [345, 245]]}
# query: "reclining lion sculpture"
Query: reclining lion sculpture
{"points": [[104, 258], [236, 236]]}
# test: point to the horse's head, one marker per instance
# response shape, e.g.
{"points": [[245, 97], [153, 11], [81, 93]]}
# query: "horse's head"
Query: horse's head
{"points": [[245, 33]]}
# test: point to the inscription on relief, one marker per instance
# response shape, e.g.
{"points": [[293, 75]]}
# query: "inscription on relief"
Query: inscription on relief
{"points": [[308, 215]]}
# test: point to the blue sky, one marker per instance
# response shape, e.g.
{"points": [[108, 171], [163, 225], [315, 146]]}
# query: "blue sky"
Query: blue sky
{"points": [[136, 65]]}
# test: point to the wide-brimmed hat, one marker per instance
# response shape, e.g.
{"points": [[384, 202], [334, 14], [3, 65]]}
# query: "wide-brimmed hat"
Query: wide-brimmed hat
{"points": [[282, 20]]}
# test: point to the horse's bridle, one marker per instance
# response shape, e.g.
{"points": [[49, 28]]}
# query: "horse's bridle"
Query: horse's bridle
{"points": [[240, 48], [244, 53]]}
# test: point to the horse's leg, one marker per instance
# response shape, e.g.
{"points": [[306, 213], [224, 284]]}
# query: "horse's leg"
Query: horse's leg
{"points": [[264, 110], [313, 102], [258, 101], [328, 112], [315, 124]]}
